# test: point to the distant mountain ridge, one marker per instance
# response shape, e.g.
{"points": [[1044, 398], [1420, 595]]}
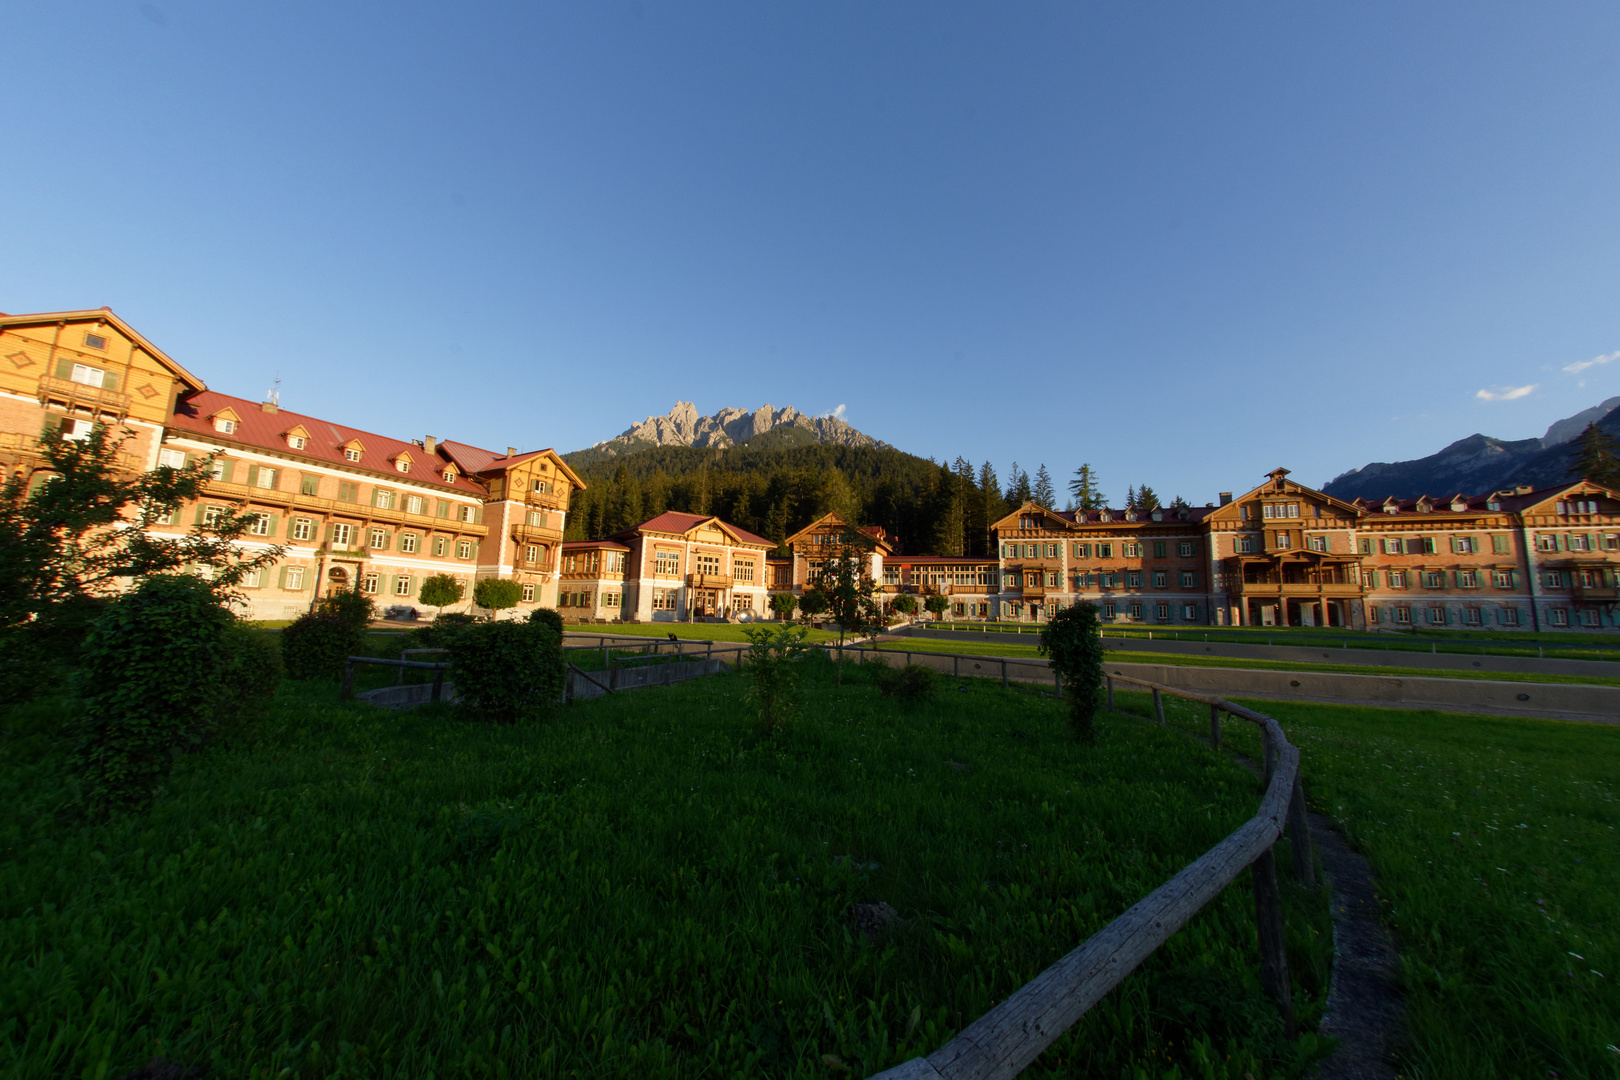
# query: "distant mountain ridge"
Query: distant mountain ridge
{"points": [[1479, 463], [683, 426]]}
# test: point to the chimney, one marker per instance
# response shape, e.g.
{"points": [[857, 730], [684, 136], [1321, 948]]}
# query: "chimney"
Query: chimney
{"points": [[269, 406], [1226, 497], [511, 451], [429, 443]]}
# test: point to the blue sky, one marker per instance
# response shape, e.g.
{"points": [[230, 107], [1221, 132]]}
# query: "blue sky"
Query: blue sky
{"points": [[1183, 242]]}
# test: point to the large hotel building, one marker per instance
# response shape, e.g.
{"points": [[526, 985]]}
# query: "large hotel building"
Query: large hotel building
{"points": [[358, 510]]}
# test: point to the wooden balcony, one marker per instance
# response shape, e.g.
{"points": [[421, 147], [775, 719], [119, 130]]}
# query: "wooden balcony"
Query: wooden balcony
{"points": [[534, 534], [314, 504], [1298, 589], [709, 581], [92, 397], [23, 451], [546, 501]]}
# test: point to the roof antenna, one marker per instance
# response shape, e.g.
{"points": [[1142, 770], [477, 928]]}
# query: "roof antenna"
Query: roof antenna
{"points": [[273, 395]]}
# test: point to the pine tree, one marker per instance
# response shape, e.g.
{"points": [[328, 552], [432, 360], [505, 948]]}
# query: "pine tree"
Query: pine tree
{"points": [[990, 492], [1021, 489], [1087, 496], [1130, 497], [951, 514], [1146, 500], [972, 507], [1043, 493], [1595, 457]]}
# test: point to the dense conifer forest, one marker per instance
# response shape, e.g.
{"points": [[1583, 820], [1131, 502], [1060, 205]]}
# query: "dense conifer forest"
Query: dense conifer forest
{"points": [[927, 507]]}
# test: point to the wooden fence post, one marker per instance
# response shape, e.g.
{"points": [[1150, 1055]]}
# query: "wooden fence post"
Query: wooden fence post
{"points": [[438, 683], [1158, 705], [613, 673], [1215, 725], [1057, 683], [1268, 921], [1269, 754], [1299, 836], [348, 681], [1004, 674], [956, 667], [399, 672], [1110, 681]]}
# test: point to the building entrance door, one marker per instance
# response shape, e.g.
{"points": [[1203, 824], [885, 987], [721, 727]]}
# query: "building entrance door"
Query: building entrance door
{"points": [[337, 581]]}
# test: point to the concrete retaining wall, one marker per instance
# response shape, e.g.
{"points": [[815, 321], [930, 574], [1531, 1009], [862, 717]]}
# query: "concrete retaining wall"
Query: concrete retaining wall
{"points": [[640, 677]]}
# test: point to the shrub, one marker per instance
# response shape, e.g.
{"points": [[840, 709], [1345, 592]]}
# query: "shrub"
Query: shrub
{"points": [[1073, 640], [937, 604], [441, 590], [550, 616], [149, 684], [507, 670], [497, 594], [315, 645], [910, 683], [351, 606], [250, 672], [774, 663], [905, 604], [783, 604]]}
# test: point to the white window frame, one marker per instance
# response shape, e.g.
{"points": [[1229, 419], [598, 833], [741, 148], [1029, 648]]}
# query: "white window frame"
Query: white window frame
{"points": [[173, 459], [303, 528]]}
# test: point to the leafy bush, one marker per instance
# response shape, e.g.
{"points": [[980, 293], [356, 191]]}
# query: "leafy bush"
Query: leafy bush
{"points": [[507, 670], [497, 594], [1074, 642], [905, 604], [783, 603], [440, 590], [774, 663], [910, 683], [550, 616], [150, 682], [315, 645], [251, 669], [352, 606], [936, 604]]}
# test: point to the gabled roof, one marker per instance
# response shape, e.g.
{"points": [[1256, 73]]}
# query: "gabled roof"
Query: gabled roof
{"points": [[1031, 506], [106, 314], [1278, 478], [1171, 515], [676, 523], [874, 533], [259, 429], [1533, 500], [475, 459]]}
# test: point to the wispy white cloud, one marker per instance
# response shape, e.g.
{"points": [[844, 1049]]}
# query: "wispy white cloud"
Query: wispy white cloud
{"points": [[1597, 361], [1506, 393], [838, 413]]}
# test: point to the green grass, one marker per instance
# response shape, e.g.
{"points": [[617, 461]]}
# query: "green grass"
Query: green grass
{"points": [[686, 631], [1031, 651], [643, 885], [1496, 847]]}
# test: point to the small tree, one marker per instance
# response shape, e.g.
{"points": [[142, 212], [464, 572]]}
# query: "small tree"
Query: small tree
{"points": [[812, 603], [1595, 457], [848, 591], [783, 604], [497, 594], [936, 604], [775, 660], [442, 590], [1073, 641], [905, 604], [507, 671]]}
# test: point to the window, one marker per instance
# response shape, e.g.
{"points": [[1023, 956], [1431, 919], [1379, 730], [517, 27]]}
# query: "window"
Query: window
{"points": [[1611, 542], [1268, 511], [742, 569], [1132, 550], [1054, 580], [539, 485], [1579, 542], [407, 543], [1189, 612], [1465, 545], [1556, 579], [666, 562], [1317, 543], [1467, 579], [1403, 614], [266, 479], [1161, 612], [1546, 542], [1397, 579], [350, 454], [295, 577], [216, 468], [1160, 547], [225, 425], [211, 516], [413, 504], [297, 442], [309, 485], [379, 538], [174, 459], [891, 576], [95, 341], [342, 533], [1293, 510], [531, 553], [1579, 506], [1558, 616], [402, 464], [1590, 617], [1370, 578], [1136, 611], [1189, 580], [1502, 579], [1437, 616], [1500, 545], [1160, 579], [303, 528], [449, 474], [1434, 579], [1282, 539], [1105, 551], [528, 592], [440, 546], [370, 583], [1364, 546], [90, 376], [468, 513], [1185, 549], [663, 599], [402, 585], [537, 519], [1470, 616], [1591, 579], [1372, 614], [382, 498], [165, 516], [1393, 546], [348, 492], [1109, 611], [1082, 551], [1053, 551], [463, 549], [1244, 545], [1133, 579], [260, 525], [1508, 616]]}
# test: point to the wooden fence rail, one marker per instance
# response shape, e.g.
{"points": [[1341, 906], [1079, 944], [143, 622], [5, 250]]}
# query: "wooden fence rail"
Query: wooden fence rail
{"points": [[1004, 1041], [347, 691]]}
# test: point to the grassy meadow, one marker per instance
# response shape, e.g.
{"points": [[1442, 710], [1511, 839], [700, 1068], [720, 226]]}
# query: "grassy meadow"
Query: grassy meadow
{"points": [[1496, 848], [641, 885]]}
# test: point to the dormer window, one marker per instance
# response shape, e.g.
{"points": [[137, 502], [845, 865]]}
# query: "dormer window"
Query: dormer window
{"points": [[350, 454], [297, 442], [1158, 515], [449, 474], [403, 464], [224, 424], [1493, 504], [1459, 504]]}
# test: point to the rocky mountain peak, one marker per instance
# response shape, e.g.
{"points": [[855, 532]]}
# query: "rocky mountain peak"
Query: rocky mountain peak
{"points": [[683, 426]]}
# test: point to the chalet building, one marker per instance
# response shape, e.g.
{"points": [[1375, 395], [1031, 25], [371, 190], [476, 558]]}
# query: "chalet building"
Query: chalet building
{"points": [[681, 566], [969, 584], [591, 580], [826, 538]]}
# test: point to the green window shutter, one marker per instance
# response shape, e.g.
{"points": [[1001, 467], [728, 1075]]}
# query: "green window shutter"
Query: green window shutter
{"points": [[444, 508], [281, 579], [51, 424], [275, 521], [189, 459], [226, 469], [109, 381], [199, 520], [252, 475], [388, 541], [64, 368], [327, 534]]}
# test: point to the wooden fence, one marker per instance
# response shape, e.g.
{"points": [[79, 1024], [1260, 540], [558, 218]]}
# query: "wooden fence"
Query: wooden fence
{"points": [[1004, 1041]]}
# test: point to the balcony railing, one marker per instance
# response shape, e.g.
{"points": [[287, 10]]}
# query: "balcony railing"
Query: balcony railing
{"points": [[220, 489], [18, 449], [74, 393], [709, 581]]}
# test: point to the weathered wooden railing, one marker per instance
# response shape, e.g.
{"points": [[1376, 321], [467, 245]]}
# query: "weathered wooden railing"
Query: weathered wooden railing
{"points": [[348, 673], [1004, 1041]]}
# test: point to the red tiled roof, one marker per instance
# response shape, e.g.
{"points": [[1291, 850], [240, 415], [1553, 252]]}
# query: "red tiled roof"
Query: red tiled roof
{"points": [[257, 428], [1081, 517], [475, 459], [674, 521], [593, 544]]}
